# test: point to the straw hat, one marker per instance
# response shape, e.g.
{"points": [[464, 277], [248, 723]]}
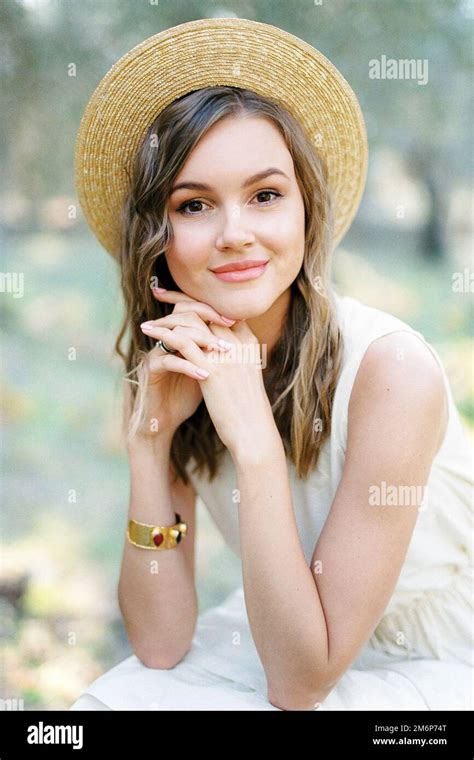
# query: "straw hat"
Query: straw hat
{"points": [[217, 51]]}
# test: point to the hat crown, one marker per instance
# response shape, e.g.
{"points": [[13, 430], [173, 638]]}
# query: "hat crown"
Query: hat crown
{"points": [[208, 52]]}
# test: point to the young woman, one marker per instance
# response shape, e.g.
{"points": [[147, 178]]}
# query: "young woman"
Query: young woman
{"points": [[320, 433]]}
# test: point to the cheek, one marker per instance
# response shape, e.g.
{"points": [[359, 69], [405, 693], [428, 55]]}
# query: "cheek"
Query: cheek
{"points": [[289, 236], [288, 230], [186, 251]]}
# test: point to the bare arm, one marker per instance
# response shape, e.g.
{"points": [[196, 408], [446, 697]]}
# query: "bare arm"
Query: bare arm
{"points": [[310, 624], [156, 591]]}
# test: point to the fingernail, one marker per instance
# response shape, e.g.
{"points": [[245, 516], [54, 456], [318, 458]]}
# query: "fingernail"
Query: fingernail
{"points": [[146, 325], [202, 373], [159, 290], [224, 343], [228, 321]]}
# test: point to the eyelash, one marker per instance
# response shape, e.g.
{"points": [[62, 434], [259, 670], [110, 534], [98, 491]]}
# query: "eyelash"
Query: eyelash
{"points": [[181, 209]]}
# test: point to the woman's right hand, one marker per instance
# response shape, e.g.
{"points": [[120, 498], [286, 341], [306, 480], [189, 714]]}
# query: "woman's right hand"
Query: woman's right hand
{"points": [[174, 393]]}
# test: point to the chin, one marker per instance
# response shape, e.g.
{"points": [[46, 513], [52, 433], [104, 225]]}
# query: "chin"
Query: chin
{"points": [[239, 313], [243, 306]]}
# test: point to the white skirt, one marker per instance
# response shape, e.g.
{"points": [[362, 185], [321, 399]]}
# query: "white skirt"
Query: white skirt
{"points": [[222, 671]]}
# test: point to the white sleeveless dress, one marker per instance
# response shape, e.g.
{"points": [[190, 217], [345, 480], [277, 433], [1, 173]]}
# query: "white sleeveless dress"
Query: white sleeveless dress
{"points": [[419, 657]]}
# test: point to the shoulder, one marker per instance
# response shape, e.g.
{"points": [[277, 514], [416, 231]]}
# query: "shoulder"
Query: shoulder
{"points": [[399, 379], [405, 350]]}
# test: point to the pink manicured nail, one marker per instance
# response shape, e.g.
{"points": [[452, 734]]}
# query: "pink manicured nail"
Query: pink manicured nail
{"points": [[159, 290], [202, 373], [228, 321]]}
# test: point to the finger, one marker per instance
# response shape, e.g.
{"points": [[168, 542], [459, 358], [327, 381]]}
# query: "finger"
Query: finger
{"points": [[239, 330], [184, 303], [174, 319], [200, 337], [204, 311], [171, 363], [204, 339], [179, 342], [243, 338], [243, 331], [171, 296], [184, 319]]}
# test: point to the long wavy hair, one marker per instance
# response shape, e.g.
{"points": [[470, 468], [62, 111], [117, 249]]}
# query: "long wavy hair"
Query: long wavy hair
{"points": [[303, 368]]}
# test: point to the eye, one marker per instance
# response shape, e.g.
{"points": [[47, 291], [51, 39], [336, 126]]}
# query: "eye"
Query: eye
{"points": [[267, 192], [183, 209], [184, 206]]}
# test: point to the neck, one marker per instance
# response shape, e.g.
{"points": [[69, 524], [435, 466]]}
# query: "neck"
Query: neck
{"points": [[268, 327]]}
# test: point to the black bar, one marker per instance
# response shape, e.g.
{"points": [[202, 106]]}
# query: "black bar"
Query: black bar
{"points": [[423, 734]]}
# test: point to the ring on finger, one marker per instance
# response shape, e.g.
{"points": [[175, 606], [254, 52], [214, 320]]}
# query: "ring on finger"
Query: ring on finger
{"points": [[161, 344]]}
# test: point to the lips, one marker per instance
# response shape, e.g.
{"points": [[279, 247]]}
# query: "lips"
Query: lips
{"points": [[237, 266], [243, 274]]}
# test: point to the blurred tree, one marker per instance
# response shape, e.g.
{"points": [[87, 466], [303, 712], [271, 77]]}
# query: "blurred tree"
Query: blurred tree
{"points": [[428, 124]]}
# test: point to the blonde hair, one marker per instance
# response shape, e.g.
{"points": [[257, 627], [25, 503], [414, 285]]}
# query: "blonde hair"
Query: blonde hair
{"points": [[304, 366]]}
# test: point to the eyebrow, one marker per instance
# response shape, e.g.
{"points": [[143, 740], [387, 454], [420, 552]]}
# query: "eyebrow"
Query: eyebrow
{"points": [[249, 181]]}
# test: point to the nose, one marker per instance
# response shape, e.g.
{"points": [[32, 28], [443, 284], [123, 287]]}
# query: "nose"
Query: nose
{"points": [[233, 232]]}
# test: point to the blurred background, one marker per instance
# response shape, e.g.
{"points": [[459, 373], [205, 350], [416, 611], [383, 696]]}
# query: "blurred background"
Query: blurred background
{"points": [[65, 481]]}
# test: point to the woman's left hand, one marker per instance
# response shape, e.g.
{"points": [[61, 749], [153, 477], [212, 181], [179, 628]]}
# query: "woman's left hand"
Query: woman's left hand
{"points": [[234, 392]]}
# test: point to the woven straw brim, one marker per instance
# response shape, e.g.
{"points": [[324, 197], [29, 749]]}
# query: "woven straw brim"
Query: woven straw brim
{"points": [[223, 51]]}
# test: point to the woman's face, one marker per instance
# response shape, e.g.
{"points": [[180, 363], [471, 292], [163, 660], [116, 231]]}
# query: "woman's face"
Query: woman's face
{"points": [[235, 218]]}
